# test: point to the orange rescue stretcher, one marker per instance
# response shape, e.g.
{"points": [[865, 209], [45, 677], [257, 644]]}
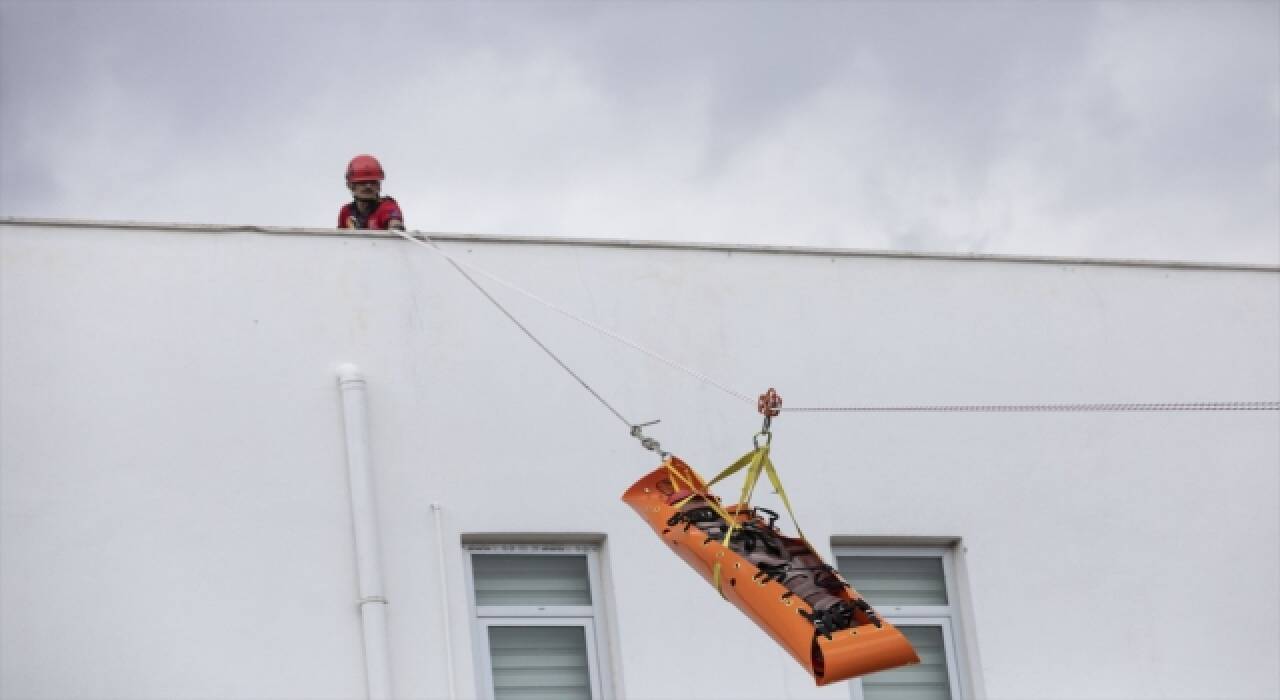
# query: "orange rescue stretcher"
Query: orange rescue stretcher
{"points": [[777, 581]]}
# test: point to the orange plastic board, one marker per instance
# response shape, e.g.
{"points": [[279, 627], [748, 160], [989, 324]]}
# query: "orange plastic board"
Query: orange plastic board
{"points": [[865, 647]]}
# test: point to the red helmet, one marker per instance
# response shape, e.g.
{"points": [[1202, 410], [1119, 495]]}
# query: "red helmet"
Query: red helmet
{"points": [[363, 168]]}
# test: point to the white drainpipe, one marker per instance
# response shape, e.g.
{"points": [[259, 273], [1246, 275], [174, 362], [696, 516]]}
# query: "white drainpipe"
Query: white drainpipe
{"points": [[444, 600], [364, 520]]}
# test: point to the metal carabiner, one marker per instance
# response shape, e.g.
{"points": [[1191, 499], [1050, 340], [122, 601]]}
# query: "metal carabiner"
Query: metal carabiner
{"points": [[648, 443]]}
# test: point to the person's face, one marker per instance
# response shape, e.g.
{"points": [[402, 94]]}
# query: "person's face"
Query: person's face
{"points": [[364, 189]]}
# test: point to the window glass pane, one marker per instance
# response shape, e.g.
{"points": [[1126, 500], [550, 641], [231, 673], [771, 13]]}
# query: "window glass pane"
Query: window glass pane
{"points": [[926, 680], [896, 580], [539, 663], [531, 579]]}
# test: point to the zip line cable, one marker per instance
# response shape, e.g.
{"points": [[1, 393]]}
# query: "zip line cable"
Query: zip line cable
{"points": [[464, 269], [460, 266], [457, 266], [1049, 407]]}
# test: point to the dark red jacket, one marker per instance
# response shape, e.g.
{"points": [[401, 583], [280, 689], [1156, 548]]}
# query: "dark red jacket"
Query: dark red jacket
{"points": [[386, 211]]}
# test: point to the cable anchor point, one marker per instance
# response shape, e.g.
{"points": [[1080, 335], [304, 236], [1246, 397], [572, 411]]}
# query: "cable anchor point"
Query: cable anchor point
{"points": [[648, 443]]}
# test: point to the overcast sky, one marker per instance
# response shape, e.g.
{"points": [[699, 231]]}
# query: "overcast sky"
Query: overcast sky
{"points": [[1114, 129]]}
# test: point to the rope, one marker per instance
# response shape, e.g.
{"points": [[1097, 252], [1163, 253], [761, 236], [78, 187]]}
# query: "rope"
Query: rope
{"points": [[459, 267], [1048, 408], [463, 268]]}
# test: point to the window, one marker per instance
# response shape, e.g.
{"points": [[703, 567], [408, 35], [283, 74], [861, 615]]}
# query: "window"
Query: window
{"points": [[912, 587], [538, 631]]}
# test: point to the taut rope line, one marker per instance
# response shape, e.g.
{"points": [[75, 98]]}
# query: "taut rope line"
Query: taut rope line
{"points": [[464, 269]]}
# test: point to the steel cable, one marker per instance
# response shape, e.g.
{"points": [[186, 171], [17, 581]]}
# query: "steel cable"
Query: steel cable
{"points": [[463, 268], [1047, 407]]}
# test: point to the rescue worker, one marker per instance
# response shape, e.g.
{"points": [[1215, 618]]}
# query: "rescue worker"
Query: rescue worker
{"points": [[368, 209]]}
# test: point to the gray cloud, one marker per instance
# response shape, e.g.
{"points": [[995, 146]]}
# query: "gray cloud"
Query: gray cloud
{"points": [[1109, 129]]}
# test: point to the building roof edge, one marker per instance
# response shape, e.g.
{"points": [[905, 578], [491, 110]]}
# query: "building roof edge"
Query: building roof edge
{"points": [[637, 244]]}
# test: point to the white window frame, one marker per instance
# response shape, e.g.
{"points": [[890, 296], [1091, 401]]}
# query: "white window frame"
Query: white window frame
{"points": [[943, 616], [590, 618]]}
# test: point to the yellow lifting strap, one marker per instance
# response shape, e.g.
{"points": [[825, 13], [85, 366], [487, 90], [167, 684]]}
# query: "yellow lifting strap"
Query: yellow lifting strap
{"points": [[696, 487], [755, 462]]}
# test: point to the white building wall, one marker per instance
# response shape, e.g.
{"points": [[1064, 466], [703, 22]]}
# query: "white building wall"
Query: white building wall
{"points": [[174, 518]]}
